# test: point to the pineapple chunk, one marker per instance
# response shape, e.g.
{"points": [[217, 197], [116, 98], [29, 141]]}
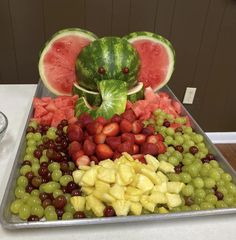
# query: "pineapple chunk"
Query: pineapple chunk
{"points": [[160, 188], [87, 190], [136, 208], [128, 156], [126, 173], [174, 187], [132, 198], [144, 183], [87, 206], [78, 203], [106, 175], [77, 175], [173, 200], [119, 180], [147, 203], [162, 210], [107, 163], [117, 191], [96, 205], [134, 191], [137, 166], [121, 207], [151, 175], [166, 167], [158, 197], [89, 178], [152, 162], [102, 186], [104, 197], [162, 176]]}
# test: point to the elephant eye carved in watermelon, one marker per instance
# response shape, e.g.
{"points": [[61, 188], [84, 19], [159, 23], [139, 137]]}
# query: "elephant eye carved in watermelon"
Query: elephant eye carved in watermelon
{"points": [[125, 70], [101, 70]]}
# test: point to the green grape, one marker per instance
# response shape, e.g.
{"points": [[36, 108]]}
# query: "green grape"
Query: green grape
{"points": [[67, 216], [188, 190], [65, 179], [189, 143], [174, 161], [198, 182], [56, 175], [49, 208], [195, 207], [198, 138], [186, 137], [205, 169], [209, 191], [26, 197], [229, 199], [35, 192], [201, 145], [214, 163], [204, 150], [200, 193], [185, 147], [159, 121], [162, 157], [181, 120], [176, 209], [168, 140], [24, 211], [188, 130], [179, 140], [174, 177], [189, 155], [15, 206], [67, 196], [57, 193], [51, 134], [211, 198], [37, 210], [31, 143], [28, 157], [170, 131], [71, 165], [170, 149], [24, 169], [177, 155], [187, 161], [65, 129], [193, 170], [157, 112], [19, 192], [69, 208], [53, 166], [198, 200], [186, 208], [33, 200], [206, 206], [35, 160], [37, 137], [43, 159], [170, 117], [30, 150], [221, 204], [51, 216], [200, 155], [213, 173], [185, 177], [22, 181], [29, 135], [220, 170], [209, 182], [44, 152], [35, 168], [33, 124], [231, 187], [220, 183], [151, 121], [226, 177], [41, 187], [51, 186]]}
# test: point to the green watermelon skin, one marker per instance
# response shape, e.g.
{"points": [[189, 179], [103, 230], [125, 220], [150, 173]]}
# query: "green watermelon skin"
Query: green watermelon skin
{"points": [[113, 54]]}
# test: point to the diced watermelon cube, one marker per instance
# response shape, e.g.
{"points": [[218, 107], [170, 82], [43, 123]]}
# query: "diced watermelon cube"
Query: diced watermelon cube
{"points": [[40, 111], [47, 119]]}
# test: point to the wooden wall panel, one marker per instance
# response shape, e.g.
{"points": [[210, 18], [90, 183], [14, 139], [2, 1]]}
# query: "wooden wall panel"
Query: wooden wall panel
{"points": [[27, 24], [8, 67], [99, 17], [142, 15], [59, 15]]}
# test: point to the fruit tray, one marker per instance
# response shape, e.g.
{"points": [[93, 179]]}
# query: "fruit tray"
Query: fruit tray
{"points": [[10, 221]]}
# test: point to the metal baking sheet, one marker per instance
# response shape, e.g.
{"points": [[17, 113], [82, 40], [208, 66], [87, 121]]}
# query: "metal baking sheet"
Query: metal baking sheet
{"points": [[10, 221]]}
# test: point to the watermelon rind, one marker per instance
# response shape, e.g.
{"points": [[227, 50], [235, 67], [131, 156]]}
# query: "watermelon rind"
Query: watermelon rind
{"points": [[135, 36], [111, 53], [62, 33], [93, 98], [114, 98], [136, 93]]}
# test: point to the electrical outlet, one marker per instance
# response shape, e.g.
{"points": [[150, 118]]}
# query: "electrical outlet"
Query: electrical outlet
{"points": [[189, 95]]}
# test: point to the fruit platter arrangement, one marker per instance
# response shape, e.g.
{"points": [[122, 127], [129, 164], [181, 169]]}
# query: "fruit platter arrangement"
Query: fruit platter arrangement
{"points": [[106, 141]]}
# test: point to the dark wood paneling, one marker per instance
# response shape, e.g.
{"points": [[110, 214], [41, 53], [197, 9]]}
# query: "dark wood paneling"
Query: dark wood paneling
{"points": [[27, 24], [142, 15], [229, 152], [186, 34], [164, 17], [120, 17], [8, 67], [59, 15], [99, 17]]}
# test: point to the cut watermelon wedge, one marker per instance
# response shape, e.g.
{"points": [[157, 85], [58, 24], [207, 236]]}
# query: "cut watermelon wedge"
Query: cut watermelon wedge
{"points": [[57, 59], [157, 58]]}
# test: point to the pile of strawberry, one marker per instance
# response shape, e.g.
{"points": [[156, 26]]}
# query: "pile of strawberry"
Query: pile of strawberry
{"points": [[96, 140]]}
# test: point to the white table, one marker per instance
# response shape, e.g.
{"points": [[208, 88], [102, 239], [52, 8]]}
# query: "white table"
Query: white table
{"points": [[15, 102]]}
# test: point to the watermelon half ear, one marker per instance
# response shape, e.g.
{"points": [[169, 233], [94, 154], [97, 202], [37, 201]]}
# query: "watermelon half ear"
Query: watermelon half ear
{"points": [[157, 57], [58, 57]]}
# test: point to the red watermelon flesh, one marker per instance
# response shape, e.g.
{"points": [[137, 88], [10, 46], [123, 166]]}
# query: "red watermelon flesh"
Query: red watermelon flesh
{"points": [[59, 63], [154, 62]]}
